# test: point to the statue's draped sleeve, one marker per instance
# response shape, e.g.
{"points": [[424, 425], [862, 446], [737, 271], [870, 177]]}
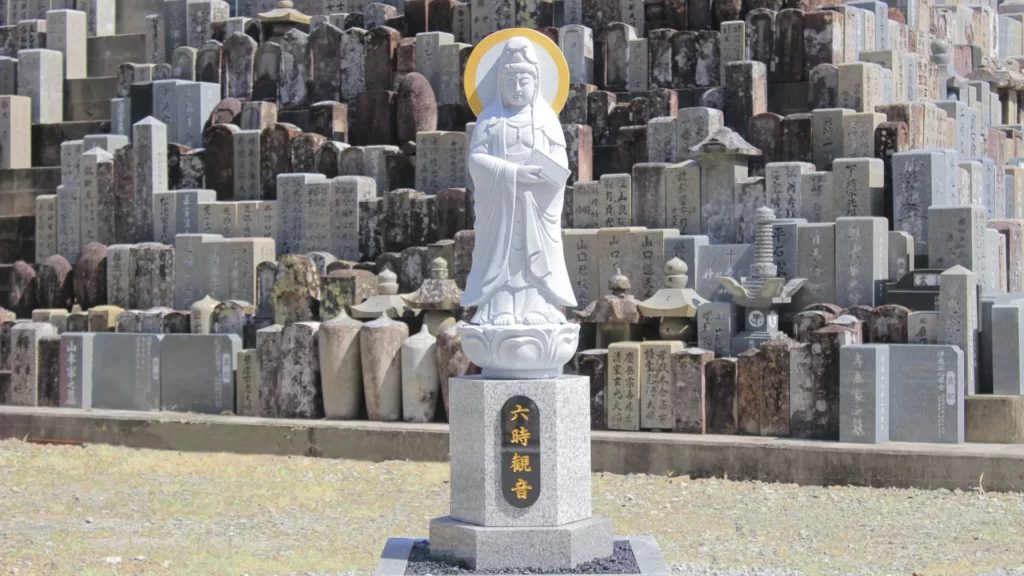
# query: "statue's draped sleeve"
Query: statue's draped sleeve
{"points": [[494, 185]]}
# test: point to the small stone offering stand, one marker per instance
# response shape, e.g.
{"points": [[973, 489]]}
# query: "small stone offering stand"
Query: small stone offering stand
{"points": [[520, 432]]}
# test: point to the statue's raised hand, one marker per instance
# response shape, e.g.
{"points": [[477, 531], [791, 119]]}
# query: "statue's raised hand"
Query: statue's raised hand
{"points": [[529, 174]]}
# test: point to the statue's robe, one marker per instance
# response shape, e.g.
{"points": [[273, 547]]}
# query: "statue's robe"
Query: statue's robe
{"points": [[497, 197]]}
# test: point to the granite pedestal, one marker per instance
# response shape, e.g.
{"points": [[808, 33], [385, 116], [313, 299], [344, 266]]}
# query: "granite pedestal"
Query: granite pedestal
{"points": [[563, 438], [510, 515]]}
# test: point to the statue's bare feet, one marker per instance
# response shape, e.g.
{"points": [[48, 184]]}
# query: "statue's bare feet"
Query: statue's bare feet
{"points": [[504, 319], [534, 319]]}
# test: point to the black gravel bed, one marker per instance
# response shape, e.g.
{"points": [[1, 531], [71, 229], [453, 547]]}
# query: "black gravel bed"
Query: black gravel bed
{"points": [[620, 562]]}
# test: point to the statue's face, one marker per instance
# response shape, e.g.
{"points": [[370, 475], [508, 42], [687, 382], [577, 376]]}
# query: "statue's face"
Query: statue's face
{"points": [[518, 89]]}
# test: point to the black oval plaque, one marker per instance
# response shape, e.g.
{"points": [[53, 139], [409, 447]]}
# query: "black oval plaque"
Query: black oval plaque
{"points": [[520, 451]]}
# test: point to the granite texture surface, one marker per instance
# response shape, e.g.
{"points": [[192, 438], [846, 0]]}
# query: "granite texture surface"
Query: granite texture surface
{"points": [[475, 446], [400, 558], [534, 548]]}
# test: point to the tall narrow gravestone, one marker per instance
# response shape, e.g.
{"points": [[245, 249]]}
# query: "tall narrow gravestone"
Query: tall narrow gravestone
{"points": [[520, 432]]}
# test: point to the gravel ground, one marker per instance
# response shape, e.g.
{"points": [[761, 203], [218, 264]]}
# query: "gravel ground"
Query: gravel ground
{"points": [[107, 510]]}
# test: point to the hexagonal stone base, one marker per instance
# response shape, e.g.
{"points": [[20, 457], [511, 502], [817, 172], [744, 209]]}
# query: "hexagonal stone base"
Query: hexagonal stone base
{"points": [[395, 559], [475, 437], [500, 548]]}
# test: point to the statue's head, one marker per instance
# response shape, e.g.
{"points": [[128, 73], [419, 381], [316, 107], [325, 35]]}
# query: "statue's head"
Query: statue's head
{"points": [[519, 74]]}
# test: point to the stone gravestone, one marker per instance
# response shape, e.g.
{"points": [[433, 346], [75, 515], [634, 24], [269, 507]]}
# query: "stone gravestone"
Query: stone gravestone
{"points": [[24, 352], [782, 187], [861, 260], [717, 260], [201, 377], [46, 226], [1000, 365], [717, 324], [239, 54], [96, 197], [69, 222], [815, 376], [15, 126], [815, 261], [958, 313], [858, 187], [864, 372], [689, 393], [150, 176], [623, 395], [126, 371], [657, 385], [41, 77], [956, 236], [298, 390], [294, 71], [75, 381], [926, 388], [763, 388], [785, 246], [195, 103], [247, 383]]}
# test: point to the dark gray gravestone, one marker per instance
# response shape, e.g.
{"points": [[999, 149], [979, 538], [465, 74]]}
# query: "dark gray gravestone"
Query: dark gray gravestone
{"points": [[864, 393], [917, 290], [927, 388], [985, 383], [141, 95], [1007, 351], [202, 374], [732, 260], [717, 323], [126, 371]]}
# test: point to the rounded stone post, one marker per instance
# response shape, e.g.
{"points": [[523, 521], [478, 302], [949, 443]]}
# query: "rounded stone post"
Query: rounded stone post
{"points": [[420, 386], [341, 369], [380, 347], [202, 315]]}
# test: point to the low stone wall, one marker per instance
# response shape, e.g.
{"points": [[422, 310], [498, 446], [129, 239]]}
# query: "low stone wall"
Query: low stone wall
{"points": [[994, 467]]}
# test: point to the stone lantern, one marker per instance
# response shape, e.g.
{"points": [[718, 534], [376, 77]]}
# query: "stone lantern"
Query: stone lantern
{"points": [[277, 22], [439, 296], [675, 304], [387, 302], [616, 315]]}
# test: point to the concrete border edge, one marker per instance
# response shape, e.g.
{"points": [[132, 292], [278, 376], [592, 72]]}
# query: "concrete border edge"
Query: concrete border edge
{"points": [[995, 467]]}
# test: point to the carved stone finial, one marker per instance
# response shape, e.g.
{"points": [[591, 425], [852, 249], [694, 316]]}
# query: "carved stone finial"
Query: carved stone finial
{"points": [[387, 282], [438, 269], [675, 273], [618, 284], [764, 258]]}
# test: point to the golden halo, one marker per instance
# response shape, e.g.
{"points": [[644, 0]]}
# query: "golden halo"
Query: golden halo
{"points": [[552, 60]]}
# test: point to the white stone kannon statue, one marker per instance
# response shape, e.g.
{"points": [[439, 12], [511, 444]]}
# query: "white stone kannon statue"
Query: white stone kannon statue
{"points": [[519, 166]]}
